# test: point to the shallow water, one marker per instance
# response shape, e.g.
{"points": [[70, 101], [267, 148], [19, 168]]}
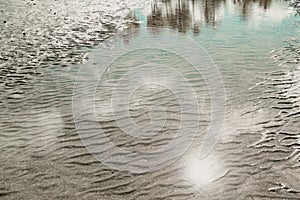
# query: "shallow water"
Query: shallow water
{"points": [[255, 45]]}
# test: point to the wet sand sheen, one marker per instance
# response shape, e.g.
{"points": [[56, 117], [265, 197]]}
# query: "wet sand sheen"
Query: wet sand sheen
{"points": [[43, 156]]}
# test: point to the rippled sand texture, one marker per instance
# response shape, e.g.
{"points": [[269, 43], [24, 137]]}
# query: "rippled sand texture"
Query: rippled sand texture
{"points": [[256, 47]]}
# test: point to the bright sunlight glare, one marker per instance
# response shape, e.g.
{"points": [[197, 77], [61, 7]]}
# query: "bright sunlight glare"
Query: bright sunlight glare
{"points": [[203, 171]]}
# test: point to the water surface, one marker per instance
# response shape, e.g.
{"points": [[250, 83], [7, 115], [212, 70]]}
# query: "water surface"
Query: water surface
{"points": [[255, 45]]}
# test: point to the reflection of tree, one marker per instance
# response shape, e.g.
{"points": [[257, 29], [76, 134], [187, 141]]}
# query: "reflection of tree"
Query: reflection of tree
{"points": [[246, 6], [294, 4], [210, 11], [177, 17], [184, 15]]}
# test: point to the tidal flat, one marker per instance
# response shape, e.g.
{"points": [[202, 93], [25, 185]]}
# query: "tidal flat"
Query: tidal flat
{"points": [[54, 137]]}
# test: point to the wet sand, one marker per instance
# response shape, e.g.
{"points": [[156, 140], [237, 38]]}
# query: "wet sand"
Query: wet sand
{"points": [[43, 44]]}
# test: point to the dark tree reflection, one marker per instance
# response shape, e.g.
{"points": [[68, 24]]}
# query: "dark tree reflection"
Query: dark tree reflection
{"points": [[246, 6], [184, 15], [174, 14]]}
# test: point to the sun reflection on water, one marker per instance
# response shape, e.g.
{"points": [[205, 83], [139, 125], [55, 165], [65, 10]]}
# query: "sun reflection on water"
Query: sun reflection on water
{"points": [[203, 171]]}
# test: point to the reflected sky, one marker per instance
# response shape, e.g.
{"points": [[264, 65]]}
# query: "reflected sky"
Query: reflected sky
{"points": [[239, 35]]}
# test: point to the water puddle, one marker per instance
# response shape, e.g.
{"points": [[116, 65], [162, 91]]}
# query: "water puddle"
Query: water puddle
{"points": [[253, 44]]}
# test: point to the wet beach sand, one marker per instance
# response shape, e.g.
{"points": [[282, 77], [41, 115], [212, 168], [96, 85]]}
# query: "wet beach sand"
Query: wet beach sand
{"points": [[255, 45]]}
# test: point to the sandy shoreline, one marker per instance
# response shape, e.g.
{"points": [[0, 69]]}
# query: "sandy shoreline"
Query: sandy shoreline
{"points": [[44, 43]]}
